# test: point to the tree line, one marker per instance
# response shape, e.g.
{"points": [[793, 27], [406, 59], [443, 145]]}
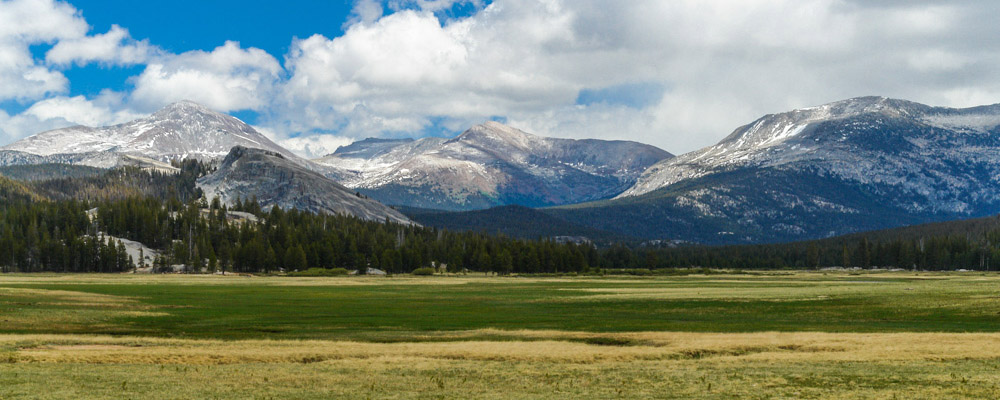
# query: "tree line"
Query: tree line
{"points": [[70, 233], [40, 236], [68, 236]]}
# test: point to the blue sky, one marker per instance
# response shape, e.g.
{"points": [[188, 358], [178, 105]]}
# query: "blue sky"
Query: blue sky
{"points": [[314, 75], [184, 25], [179, 26]]}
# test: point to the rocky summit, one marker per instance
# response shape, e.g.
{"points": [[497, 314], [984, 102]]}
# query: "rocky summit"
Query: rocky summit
{"points": [[275, 180], [178, 131]]}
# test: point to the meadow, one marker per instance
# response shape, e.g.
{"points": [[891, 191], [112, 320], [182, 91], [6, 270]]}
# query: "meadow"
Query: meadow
{"points": [[767, 335]]}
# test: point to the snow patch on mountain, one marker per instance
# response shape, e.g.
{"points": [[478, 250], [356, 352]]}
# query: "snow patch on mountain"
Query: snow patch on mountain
{"points": [[490, 164], [180, 130], [274, 180], [845, 150]]}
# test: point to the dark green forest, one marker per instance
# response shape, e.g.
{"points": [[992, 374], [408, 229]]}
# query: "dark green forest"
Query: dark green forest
{"points": [[58, 225]]}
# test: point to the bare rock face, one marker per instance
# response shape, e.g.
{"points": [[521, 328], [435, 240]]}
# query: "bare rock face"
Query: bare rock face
{"points": [[853, 165], [489, 165], [178, 131], [275, 180]]}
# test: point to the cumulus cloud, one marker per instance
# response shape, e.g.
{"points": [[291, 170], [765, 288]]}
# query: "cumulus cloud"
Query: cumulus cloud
{"points": [[115, 47], [18, 126], [105, 109], [312, 146], [531, 61], [677, 74], [408, 67], [27, 23], [227, 78], [24, 23], [710, 66], [40, 20], [364, 12]]}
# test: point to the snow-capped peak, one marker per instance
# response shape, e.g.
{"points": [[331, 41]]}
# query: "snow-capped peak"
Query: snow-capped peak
{"points": [[778, 139], [490, 164], [180, 130]]}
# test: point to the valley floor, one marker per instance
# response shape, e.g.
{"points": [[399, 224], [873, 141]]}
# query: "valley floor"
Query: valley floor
{"points": [[773, 335]]}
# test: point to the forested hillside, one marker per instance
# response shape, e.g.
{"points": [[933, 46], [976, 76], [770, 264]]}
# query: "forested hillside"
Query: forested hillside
{"points": [[39, 172], [964, 244], [124, 182], [516, 221], [46, 226]]}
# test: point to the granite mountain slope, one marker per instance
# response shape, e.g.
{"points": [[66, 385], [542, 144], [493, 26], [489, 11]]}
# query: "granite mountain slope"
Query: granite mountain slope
{"points": [[859, 164], [275, 180], [488, 165]]}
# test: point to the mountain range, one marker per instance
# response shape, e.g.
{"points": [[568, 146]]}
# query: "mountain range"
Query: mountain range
{"points": [[860, 164], [489, 165]]}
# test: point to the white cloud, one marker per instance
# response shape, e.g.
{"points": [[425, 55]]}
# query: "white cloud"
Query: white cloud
{"points": [[24, 23], [307, 146], [107, 108], [407, 67], [528, 60], [434, 6], [720, 64], [227, 78], [104, 110], [364, 12], [933, 60], [598, 121], [40, 21], [19, 126], [115, 47], [314, 146]]}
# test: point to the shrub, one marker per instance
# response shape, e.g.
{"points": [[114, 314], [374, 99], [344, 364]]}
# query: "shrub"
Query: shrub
{"points": [[320, 272], [423, 271]]}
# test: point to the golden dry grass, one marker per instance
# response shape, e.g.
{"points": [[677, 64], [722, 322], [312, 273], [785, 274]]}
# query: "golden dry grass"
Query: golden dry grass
{"points": [[516, 346], [531, 364], [234, 279]]}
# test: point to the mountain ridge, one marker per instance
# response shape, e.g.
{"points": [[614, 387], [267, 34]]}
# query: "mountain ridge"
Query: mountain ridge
{"points": [[745, 144], [488, 165], [786, 176], [180, 130], [275, 180]]}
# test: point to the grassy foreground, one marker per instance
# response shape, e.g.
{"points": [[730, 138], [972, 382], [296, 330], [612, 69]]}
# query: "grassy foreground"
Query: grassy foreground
{"points": [[803, 335]]}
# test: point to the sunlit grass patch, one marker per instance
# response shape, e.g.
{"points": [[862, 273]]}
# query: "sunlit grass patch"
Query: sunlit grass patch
{"points": [[548, 346], [681, 365], [28, 309], [398, 309]]}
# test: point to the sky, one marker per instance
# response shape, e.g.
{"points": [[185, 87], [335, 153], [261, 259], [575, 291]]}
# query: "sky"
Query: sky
{"points": [[317, 74]]}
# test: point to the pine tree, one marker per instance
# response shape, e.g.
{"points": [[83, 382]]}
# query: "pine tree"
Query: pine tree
{"points": [[295, 259]]}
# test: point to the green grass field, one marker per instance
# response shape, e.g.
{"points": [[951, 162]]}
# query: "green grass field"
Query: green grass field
{"points": [[772, 335]]}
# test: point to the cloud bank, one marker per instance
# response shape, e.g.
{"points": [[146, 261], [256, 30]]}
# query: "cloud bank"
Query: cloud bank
{"points": [[677, 74]]}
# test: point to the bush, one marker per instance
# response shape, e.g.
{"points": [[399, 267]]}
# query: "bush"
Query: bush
{"points": [[423, 271], [320, 272]]}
